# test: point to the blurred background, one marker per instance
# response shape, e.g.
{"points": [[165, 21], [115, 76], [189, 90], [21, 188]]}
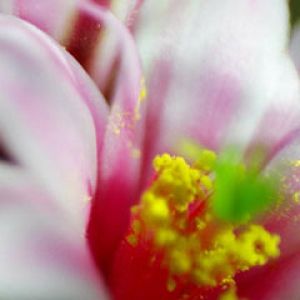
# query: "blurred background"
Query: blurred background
{"points": [[295, 10]]}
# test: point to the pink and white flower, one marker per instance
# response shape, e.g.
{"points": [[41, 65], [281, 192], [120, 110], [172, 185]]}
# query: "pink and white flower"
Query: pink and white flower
{"points": [[78, 131]]}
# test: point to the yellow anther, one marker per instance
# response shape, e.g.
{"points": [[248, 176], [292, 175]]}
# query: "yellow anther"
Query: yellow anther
{"points": [[213, 266], [175, 213], [177, 180], [165, 237], [156, 209], [257, 246], [206, 182], [180, 262], [226, 240], [161, 162]]}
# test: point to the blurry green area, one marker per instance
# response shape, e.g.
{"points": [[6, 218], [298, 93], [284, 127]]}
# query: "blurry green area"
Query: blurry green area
{"points": [[295, 10], [241, 192]]}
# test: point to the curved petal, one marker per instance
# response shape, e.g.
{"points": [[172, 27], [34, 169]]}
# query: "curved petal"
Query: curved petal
{"points": [[45, 117], [124, 10], [105, 48], [284, 219], [57, 17], [52, 16], [120, 168], [60, 18], [42, 256], [215, 73]]}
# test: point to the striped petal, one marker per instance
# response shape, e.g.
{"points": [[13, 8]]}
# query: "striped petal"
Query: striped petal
{"points": [[102, 44], [217, 73], [46, 121], [115, 54]]}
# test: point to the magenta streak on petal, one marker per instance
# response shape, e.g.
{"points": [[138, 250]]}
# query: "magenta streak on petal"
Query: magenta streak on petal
{"points": [[277, 130], [119, 165], [104, 3], [83, 38]]}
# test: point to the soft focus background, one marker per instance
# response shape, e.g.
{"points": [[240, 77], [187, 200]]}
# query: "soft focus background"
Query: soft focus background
{"points": [[295, 10]]}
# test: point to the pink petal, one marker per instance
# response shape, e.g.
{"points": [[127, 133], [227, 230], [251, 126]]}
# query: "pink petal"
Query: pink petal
{"points": [[280, 278], [217, 73], [120, 168], [59, 18], [42, 255], [105, 48], [45, 116], [125, 10], [284, 219], [52, 16], [276, 281]]}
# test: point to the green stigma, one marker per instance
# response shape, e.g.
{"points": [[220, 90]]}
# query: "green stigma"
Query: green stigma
{"points": [[241, 192]]}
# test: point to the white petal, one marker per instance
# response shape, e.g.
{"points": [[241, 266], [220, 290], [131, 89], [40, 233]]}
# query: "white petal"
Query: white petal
{"points": [[42, 256]]}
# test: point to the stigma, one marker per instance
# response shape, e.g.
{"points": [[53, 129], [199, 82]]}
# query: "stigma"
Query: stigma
{"points": [[199, 217]]}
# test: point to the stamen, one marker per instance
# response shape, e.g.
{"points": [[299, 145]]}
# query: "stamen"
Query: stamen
{"points": [[187, 215]]}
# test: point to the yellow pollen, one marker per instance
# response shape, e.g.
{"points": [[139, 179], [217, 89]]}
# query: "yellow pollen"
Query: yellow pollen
{"points": [[175, 213], [143, 91]]}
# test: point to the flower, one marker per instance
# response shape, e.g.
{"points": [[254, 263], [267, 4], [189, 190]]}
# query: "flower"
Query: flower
{"points": [[77, 149]]}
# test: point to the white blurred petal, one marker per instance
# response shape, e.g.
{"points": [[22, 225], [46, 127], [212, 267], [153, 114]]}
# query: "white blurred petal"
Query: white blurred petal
{"points": [[42, 256], [216, 70]]}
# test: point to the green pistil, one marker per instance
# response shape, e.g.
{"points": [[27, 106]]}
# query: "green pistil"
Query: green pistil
{"points": [[241, 192]]}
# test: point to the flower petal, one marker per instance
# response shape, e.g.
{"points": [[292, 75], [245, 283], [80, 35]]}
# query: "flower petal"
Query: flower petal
{"points": [[124, 10], [42, 256], [105, 48], [215, 73], [275, 281], [120, 164], [52, 16], [62, 19], [45, 117]]}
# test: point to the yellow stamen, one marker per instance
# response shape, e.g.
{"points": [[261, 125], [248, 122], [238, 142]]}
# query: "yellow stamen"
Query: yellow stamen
{"points": [[175, 213]]}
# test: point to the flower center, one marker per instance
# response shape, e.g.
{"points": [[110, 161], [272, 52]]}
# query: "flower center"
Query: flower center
{"points": [[193, 217]]}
